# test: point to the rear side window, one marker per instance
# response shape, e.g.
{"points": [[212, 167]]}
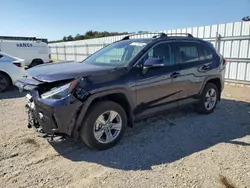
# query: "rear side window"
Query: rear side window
{"points": [[187, 52], [4, 58], [208, 51]]}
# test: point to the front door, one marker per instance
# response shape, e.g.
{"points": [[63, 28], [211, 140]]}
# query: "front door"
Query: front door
{"points": [[157, 86]]}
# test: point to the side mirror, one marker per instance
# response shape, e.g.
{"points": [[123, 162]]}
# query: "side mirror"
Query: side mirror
{"points": [[153, 62]]}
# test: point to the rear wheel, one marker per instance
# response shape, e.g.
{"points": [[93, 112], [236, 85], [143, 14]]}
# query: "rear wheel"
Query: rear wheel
{"points": [[208, 100], [5, 82], [104, 125], [36, 62]]}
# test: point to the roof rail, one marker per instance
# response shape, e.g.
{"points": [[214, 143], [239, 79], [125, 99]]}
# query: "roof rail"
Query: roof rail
{"points": [[156, 34], [187, 34]]}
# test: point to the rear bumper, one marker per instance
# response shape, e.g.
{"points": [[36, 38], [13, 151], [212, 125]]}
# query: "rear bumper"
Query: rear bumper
{"points": [[53, 116]]}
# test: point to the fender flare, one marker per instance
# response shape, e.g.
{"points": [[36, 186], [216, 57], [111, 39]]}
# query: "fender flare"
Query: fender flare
{"points": [[86, 104], [207, 80]]}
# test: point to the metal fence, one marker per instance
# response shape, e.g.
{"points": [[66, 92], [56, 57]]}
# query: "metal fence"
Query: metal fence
{"points": [[232, 40]]}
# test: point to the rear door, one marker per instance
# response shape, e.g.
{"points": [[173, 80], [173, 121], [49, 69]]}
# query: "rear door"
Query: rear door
{"points": [[193, 67]]}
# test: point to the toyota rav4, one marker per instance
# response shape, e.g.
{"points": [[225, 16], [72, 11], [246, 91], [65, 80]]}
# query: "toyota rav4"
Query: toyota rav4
{"points": [[96, 99]]}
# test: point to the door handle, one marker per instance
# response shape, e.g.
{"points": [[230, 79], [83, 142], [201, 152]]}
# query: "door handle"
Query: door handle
{"points": [[205, 67], [174, 75]]}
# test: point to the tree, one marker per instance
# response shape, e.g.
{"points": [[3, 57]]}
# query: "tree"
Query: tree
{"points": [[77, 37], [141, 32], [91, 34], [70, 38], [247, 18]]}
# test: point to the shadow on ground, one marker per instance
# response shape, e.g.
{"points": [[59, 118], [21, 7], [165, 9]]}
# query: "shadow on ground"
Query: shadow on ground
{"points": [[168, 137], [11, 93]]}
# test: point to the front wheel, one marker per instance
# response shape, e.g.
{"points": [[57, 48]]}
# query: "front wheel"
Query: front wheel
{"points": [[4, 82], [208, 100], [36, 62], [104, 125]]}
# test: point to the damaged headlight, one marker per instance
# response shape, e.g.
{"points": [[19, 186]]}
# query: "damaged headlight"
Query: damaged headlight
{"points": [[60, 92]]}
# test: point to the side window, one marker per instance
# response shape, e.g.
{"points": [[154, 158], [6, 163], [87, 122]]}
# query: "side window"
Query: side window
{"points": [[4, 58], [187, 52], [208, 52], [1, 58], [162, 51]]}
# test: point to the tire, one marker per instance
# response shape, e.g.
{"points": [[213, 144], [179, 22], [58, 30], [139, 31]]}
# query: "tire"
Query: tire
{"points": [[204, 107], [35, 63], [92, 130], [5, 82]]}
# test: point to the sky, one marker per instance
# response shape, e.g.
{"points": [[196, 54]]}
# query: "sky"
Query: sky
{"points": [[54, 19]]}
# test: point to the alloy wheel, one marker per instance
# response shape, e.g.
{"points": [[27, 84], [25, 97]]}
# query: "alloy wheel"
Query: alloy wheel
{"points": [[107, 127], [210, 99]]}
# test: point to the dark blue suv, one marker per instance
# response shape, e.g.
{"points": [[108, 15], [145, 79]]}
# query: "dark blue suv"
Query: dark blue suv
{"points": [[96, 99]]}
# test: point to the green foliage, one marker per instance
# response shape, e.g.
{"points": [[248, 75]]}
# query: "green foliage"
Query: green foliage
{"points": [[89, 35], [247, 18], [64, 39], [70, 38]]}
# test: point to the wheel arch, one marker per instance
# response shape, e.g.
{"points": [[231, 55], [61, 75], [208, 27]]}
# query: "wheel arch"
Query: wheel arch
{"points": [[216, 80], [120, 96], [37, 59], [6, 74]]}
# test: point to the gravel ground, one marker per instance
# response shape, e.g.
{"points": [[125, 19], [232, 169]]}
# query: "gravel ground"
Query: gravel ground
{"points": [[176, 149]]}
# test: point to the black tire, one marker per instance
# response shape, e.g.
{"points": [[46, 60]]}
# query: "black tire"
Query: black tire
{"points": [[5, 82], [201, 106], [36, 62], [87, 131]]}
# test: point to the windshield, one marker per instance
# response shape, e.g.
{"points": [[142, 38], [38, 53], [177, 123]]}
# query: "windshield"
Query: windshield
{"points": [[117, 54]]}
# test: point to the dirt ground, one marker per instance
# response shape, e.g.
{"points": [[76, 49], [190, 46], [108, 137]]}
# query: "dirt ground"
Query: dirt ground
{"points": [[175, 149]]}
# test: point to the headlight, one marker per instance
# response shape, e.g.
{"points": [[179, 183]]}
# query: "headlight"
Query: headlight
{"points": [[60, 92]]}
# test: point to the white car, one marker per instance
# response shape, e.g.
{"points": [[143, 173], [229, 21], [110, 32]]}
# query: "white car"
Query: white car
{"points": [[11, 69]]}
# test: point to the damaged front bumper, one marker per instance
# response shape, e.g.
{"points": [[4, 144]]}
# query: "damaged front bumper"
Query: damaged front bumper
{"points": [[52, 117]]}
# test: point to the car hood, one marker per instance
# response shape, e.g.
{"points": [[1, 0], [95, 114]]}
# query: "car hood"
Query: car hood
{"points": [[52, 72]]}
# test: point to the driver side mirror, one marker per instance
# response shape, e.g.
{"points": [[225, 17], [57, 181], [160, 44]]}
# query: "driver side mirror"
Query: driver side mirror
{"points": [[153, 62]]}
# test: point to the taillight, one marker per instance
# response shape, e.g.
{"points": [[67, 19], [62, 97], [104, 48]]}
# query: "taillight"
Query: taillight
{"points": [[224, 62], [18, 64]]}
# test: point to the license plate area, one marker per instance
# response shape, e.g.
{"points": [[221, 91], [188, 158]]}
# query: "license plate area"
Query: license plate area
{"points": [[30, 105], [29, 102]]}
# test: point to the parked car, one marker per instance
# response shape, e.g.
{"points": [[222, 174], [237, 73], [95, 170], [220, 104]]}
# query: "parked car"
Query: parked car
{"points": [[11, 69], [33, 52], [130, 79]]}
